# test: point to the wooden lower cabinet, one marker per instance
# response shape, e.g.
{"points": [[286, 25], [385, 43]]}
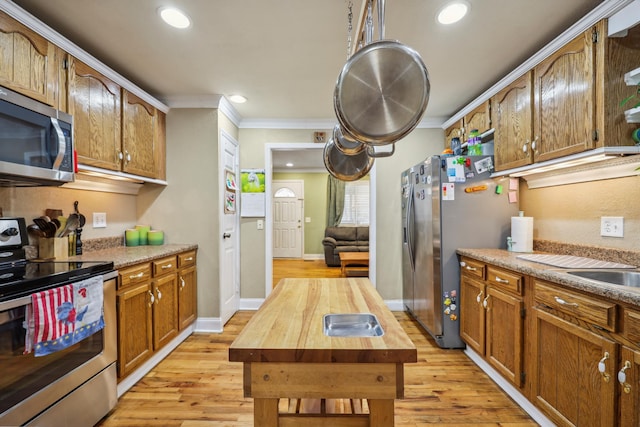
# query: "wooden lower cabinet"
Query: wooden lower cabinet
{"points": [[155, 300], [629, 387], [492, 319], [187, 289], [135, 325], [568, 385]]}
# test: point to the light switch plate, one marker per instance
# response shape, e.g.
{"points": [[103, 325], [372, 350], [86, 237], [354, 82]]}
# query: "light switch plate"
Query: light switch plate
{"points": [[260, 224], [612, 226], [99, 220]]}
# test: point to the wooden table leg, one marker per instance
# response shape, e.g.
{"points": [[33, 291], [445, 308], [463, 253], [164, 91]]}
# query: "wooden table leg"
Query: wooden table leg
{"points": [[380, 412], [265, 412]]}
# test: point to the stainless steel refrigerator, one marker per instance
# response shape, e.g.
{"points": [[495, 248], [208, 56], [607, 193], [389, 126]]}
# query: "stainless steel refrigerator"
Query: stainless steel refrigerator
{"points": [[449, 202]]}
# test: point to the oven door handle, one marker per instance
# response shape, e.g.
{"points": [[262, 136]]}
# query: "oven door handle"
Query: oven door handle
{"points": [[18, 302]]}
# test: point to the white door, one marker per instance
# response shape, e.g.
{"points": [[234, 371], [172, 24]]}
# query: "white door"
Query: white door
{"points": [[288, 229], [229, 227]]}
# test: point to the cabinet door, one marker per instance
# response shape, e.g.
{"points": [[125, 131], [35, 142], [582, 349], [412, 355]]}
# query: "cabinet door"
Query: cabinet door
{"points": [[564, 87], [511, 111], [135, 343], [140, 136], [472, 313], [505, 340], [187, 302], [165, 309], [629, 387], [568, 386], [454, 131], [479, 118], [94, 102], [27, 61]]}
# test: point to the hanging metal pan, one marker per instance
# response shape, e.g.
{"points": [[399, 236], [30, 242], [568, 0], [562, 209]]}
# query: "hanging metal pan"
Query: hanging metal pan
{"points": [[346, 167], [382, 91], [345, 142]]}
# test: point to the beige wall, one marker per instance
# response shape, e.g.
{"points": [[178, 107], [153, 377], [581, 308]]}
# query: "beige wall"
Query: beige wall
{"points": [[31, 203], [315, 208], [571, 213], [187, 209]]}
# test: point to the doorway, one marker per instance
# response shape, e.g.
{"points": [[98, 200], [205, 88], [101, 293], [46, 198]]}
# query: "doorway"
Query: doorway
{"points": [[288, 208], [270, 148]]}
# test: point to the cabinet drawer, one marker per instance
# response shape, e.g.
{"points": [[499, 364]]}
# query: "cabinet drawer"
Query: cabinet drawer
{"points": [[590, 309], [632, 326], [134, 275], [186, 259], [164, 266], [505, 279], [473, 268]]}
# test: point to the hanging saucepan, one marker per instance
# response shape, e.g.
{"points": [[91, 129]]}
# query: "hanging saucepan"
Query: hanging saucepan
{"points": [[346, 167], [382, 90], [345, 142]]}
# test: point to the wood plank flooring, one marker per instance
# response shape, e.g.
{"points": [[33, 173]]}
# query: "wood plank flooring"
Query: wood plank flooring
{"points": [[299, 268], [196, 386]]}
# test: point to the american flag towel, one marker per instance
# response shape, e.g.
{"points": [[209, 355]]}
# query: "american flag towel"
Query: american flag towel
{"points": [[60, 317]]}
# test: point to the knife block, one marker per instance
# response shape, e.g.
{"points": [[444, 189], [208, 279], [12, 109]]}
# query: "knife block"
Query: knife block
{"points": [[53, 248]]}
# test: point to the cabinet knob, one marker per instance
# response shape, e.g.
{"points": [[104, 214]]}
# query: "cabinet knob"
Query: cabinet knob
{"points": [[622, 377], [602, 367]]}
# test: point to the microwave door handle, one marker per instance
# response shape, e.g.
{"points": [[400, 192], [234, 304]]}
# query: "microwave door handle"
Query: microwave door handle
{"points": [[62, 144]]}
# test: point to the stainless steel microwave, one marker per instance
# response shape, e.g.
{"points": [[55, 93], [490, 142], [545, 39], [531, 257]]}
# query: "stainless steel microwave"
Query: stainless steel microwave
{"points": [[36, 142]]}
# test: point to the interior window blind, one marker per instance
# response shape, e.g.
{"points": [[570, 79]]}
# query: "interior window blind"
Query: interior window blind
{"points": [[356, 203]]}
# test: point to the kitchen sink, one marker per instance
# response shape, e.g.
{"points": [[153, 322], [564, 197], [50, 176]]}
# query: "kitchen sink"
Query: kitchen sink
{"points": [[612, 277], [352, 325]]}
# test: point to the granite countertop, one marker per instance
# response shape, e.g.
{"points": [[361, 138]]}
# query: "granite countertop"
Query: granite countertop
{"points": [[509, 260], [124, 256]]}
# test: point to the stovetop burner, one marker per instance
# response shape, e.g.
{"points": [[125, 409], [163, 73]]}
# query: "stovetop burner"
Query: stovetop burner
{"points": [[25, 278]]}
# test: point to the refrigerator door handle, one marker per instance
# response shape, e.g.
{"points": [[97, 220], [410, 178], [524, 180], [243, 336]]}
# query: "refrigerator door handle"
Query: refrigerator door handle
{"points": [[410, 226]]}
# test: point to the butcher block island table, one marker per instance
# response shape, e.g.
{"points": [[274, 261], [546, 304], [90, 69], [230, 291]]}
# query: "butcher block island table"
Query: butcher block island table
{"points": [[287, 355]]}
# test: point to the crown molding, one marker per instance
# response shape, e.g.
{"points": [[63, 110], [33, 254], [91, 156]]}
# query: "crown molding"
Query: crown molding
{"points": [[205, 101], [604, 10]]}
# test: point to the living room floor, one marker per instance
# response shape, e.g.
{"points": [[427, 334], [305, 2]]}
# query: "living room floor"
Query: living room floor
{"points": [[301, 268]]}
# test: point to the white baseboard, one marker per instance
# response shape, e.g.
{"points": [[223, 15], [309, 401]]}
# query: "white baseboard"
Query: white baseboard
{"points": [[250, 303], [394, 304], [508, 388], [313, 256], [208, 324]]}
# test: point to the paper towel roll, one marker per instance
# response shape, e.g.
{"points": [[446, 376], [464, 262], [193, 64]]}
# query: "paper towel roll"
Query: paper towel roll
{"points": [[522, 233]]}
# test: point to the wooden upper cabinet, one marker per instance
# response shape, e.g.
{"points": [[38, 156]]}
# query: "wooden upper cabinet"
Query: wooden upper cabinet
{"points": [[511, 110], [141, 134], [456, 130], [479, 119], [94, 102], [564, 99], [27, 62]]}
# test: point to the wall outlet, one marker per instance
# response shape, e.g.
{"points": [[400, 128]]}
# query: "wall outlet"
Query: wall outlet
{"points": [[612, 226], [99, 220]]}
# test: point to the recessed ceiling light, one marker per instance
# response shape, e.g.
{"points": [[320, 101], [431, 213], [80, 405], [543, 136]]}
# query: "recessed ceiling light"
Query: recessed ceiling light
{"points": [[289, 165], [453, 12], [174, 17], [238, 99]]}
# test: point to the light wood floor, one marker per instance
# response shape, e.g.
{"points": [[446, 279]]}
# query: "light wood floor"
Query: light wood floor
{"points": [[196, 385]]}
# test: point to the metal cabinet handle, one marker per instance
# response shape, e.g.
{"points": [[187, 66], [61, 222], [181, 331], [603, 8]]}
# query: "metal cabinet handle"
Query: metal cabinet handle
{"points": [[469, 268], [166, 266], [153, 299], [485, 302], [120, 155], [563, 302], [622, 377], [182, 284], [479, 297], [525, 147], [159, 294], [137, 276], [602, 367], [533, 144], [189, 259], [499, 280]]}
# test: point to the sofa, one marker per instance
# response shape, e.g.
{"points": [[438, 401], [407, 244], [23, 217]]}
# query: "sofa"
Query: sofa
{"points": [[344, 239]]}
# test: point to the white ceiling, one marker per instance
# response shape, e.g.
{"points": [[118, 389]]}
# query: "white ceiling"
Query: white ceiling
{"points": [[285, 55]]}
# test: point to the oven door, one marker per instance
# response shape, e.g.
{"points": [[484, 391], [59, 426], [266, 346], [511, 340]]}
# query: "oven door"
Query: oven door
{"points": [[29, 385]]}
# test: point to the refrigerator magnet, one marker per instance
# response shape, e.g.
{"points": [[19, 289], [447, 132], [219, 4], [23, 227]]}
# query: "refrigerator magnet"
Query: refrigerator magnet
{"points": [[448, 191]]}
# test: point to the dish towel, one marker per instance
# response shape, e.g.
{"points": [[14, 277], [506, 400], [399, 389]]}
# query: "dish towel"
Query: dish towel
{"points": [[60, 317]]}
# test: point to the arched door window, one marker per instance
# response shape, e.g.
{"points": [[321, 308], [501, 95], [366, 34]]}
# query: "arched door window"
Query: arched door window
{"points": [[284, 192]]}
